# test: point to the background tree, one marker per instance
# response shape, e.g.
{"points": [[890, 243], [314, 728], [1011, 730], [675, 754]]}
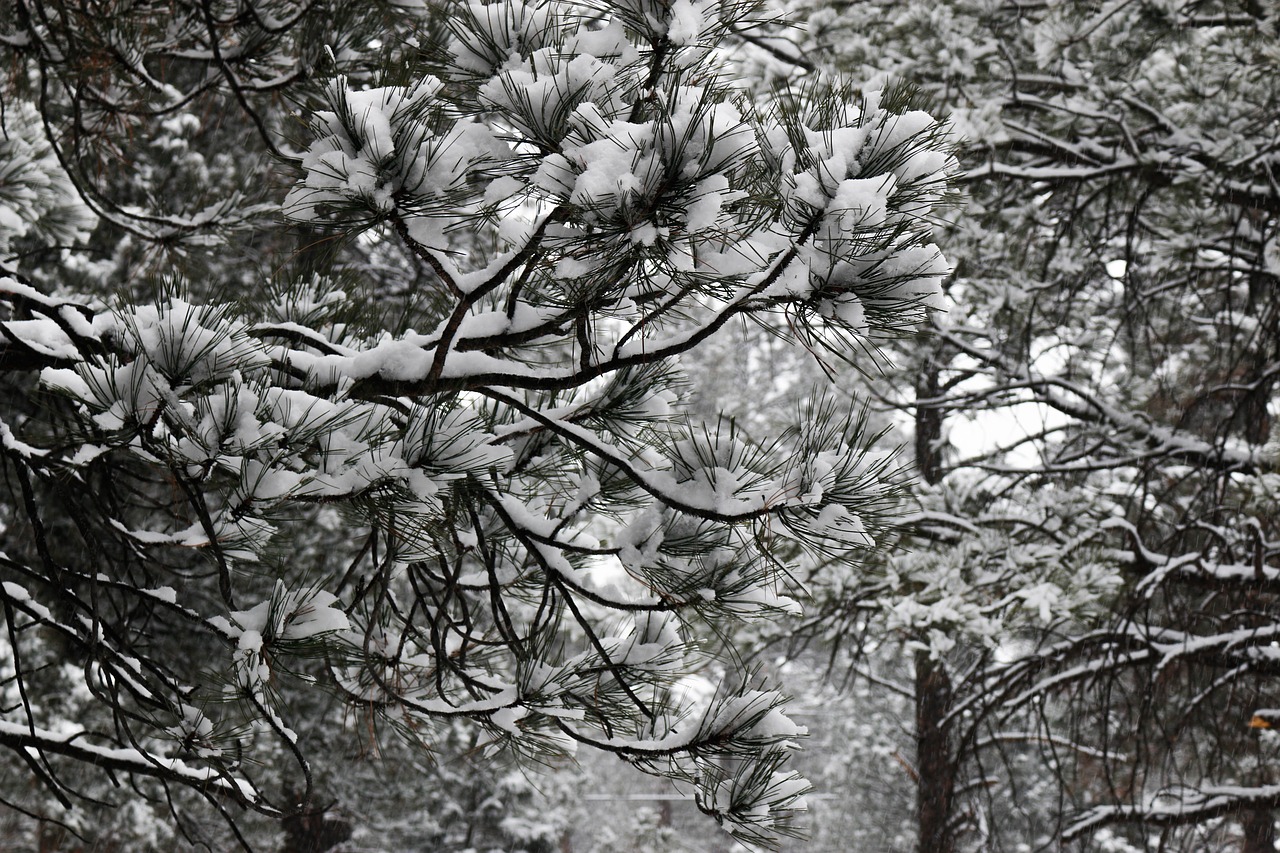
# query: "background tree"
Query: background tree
{"points": [[1093, 420]]}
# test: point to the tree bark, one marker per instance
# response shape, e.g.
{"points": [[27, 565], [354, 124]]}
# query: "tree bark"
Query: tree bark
{"points": [[935, 765], [928, 419], [935, 787], [1259, 829]]}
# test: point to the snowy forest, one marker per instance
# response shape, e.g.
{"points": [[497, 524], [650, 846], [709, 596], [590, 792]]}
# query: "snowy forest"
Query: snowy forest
{"points": [[647, 426]]}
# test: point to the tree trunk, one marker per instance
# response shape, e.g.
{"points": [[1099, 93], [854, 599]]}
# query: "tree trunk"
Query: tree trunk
{"points": [[928, 420], [1259, 828], [935, 766], [309, 831], [935, 788]]}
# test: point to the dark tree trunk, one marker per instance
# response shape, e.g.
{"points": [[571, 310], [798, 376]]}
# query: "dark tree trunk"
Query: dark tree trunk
{"points": [[935, 788], [928, 422], [935, 765], [310, 831], [1259, 831]]}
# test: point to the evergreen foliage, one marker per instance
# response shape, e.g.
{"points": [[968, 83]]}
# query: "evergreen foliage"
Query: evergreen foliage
{"points": [[438, 465]]}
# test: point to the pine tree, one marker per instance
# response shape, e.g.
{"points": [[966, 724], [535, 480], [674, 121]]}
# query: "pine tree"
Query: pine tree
{"points": [[1089, 578], [445, 469]]}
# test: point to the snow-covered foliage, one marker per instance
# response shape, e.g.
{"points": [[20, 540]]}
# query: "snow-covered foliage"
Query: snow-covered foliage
{"points": [[39, 206], [523, 524]]}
